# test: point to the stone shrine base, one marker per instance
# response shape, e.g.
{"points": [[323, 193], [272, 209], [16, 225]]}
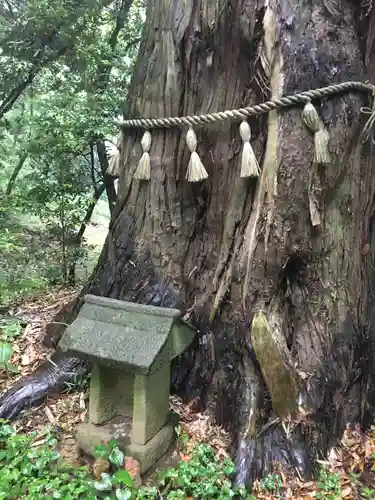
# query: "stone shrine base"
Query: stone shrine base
{"points": [[119, 429]]}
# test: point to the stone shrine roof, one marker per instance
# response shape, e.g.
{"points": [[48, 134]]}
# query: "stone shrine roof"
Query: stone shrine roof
{"points": [[126, 335]]}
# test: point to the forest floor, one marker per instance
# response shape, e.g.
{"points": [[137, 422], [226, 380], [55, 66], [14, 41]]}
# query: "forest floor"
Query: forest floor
{"points": [[352, 461]]}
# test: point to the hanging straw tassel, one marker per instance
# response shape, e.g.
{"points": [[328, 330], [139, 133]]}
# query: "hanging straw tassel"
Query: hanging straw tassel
{"points": [[113, 166], [196, 171], [249, 163], [321, 139], [114, 163], [321, 136], [143, 171]]}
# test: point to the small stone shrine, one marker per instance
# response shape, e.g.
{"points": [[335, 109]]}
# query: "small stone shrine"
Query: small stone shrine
{"points": [[131, 347]]}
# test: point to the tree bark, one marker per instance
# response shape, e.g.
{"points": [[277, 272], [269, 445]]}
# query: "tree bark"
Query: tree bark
{"points": [[227, 248]]}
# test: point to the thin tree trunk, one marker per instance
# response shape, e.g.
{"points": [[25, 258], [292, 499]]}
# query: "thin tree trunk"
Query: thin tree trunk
{"points": [[79, 236], [101, 83], [227, 248], [108, 181], [105, 69], [16, 171]]}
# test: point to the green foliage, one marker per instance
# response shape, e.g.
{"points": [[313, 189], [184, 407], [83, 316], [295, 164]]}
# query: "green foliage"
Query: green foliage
{"points": [[119, 484], [329, 485], [272, 483], [23, 259], [9, 329], [364, 491], [51, 30], [202, 476], [30, 469], [65, 69], [367, 493]]}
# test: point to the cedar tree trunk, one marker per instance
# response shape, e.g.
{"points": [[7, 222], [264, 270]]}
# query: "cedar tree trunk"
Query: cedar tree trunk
{"points": [[224, 249]]}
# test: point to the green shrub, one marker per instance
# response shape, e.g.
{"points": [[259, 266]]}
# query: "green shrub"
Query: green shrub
{"points": [[30, 470], [21, 265]]}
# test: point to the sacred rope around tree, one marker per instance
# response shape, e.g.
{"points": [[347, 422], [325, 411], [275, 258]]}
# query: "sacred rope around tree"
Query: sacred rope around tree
{"points": [[249, 164]]}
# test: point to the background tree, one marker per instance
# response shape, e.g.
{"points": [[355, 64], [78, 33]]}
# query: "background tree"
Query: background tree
{"points": [[57, 133], [227, 248]]}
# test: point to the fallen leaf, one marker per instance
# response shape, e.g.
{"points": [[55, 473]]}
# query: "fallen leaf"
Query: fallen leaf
{"points": [[346, 492], [184, 458], [25, 360], [134, 469]]}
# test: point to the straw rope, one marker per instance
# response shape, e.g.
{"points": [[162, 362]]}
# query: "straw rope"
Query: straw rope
{"points": [[258, 109]]}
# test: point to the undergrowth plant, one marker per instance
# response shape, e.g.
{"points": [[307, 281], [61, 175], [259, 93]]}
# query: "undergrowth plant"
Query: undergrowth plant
{"points": [[9, 330], [272, 483], [20, 267], [202, 475], [31, 468], [329, 485]]}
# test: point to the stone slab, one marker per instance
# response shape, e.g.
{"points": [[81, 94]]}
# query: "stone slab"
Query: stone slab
{"points": [[125, 335], [90, 435], [131, 306], [119, 339]]}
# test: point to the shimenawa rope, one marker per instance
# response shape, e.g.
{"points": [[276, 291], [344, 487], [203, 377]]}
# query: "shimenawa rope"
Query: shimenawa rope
{"points": [[196, 171]]}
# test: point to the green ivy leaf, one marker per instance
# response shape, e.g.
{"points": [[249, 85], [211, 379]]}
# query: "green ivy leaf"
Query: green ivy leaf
{"points": [[123, 494], [105, 484], [116, 457], [101, 451], [12, 368], [122, 476], [6, 352], [112, 443]]}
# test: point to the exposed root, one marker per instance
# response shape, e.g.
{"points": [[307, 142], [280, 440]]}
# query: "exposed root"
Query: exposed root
{"points": [[53, 375], [256, 457]]}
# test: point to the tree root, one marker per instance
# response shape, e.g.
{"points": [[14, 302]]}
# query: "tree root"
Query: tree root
{"points": [[53, 375], [255, 457]]}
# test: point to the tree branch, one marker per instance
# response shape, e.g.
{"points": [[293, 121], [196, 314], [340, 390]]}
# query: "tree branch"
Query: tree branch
{"points": [[47, 40], [104, 70]]}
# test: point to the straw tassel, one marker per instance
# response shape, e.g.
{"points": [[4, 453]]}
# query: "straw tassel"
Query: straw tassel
{"points": [[196, 171], [114, 163], [113, 167], [249, 163], [143, 171], [321, 136]]}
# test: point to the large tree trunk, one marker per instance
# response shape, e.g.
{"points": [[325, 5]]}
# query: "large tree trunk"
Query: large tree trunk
{"points": [[226, 248]]}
